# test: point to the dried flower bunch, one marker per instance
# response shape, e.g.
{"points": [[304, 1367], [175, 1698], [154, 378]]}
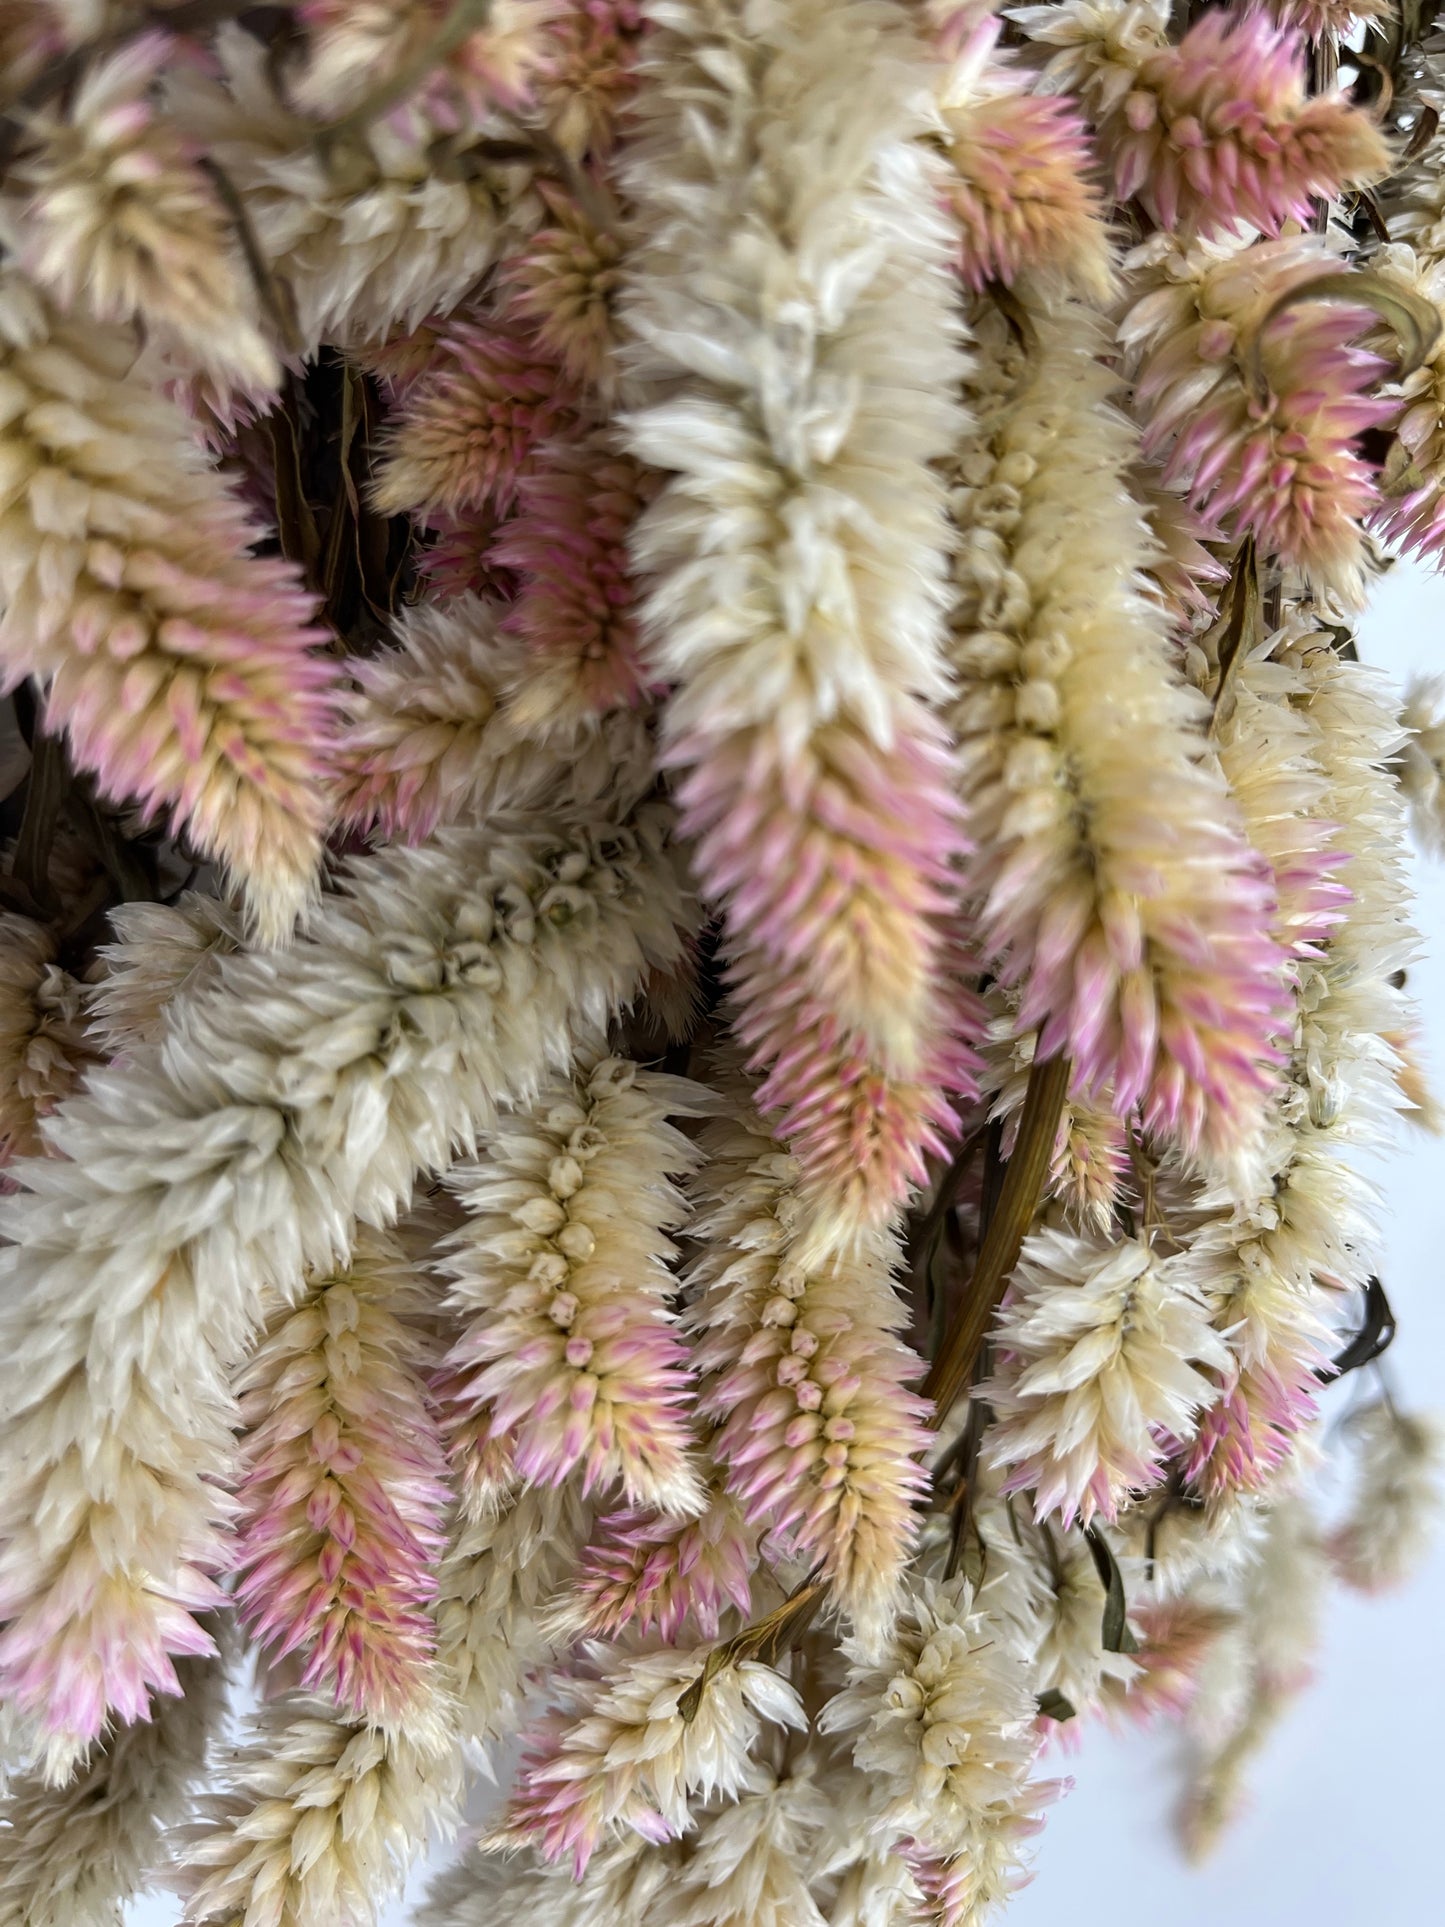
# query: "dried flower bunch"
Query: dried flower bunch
{"points": [[702, 911]]}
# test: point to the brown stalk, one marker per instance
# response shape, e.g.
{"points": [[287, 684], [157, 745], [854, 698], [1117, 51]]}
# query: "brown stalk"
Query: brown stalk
{"points": [[1023, 1185]]}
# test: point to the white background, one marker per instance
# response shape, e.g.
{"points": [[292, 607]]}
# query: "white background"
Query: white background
{"points": [[1344, 1825]]}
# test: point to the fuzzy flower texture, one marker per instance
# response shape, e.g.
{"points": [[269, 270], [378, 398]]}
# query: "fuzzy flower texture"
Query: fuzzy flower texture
{"points": [[703, 918]]}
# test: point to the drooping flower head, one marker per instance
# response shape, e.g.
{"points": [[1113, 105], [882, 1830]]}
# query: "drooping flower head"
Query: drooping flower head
{"points": [[1214, 134]]}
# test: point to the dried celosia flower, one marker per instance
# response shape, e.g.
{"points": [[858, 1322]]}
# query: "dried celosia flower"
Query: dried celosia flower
{"points": [[1257, 407], [560, 1276], [645, 1570], [1380, 1542], [797, 553], [1173, 1641], [1216, 133], [591, 73], [500, 1586], [122, 224], [565, 284], [165, 952], [1325, 20], [575, 611], [622, 1753], [44, 1050], [1041, 1582], [817, 1436], [77, 1853], [1260, 1278], [317, 1817], [440, 982], [1099, 1351], [1411, 512], [181, 668], [421, 740], [355, 47], [1112, 883], [367, 239], [1422, 760], [343, 1496], [1021, 164], [465, 431], [945, 1726], [1266, 750]]}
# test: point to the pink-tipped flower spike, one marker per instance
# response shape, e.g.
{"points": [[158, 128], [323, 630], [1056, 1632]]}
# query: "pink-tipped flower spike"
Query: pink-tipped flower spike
{"points": [[796, 555], [181, 667], [420, 743], [591, 74], [622, 1756], [1187, 575], [502, 1580], [1088, 1172], [122, 225], [355, 46], [575, 611], [565, 284], [1020, 187], [650, 1573], [465, 432], [1256, 413], [44, 1051], [1266, 750], [316, 1818], [343, 1499], [432, 987], [1112, 882], [561, 1279], [1216, 134], [807, 1379], [1100, 1349]]}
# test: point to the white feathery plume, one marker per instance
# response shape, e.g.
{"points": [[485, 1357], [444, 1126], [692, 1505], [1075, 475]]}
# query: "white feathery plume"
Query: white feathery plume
{"points": [[1283, 1253], [318, 1818], [1422, 760], [1043, 1583], [945, 1728], [72, 1856], [430, 734], [741, 1867], [304, 1091], [181, 667], [1099, 1350], [622, 1881], [1281, 1603]]}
